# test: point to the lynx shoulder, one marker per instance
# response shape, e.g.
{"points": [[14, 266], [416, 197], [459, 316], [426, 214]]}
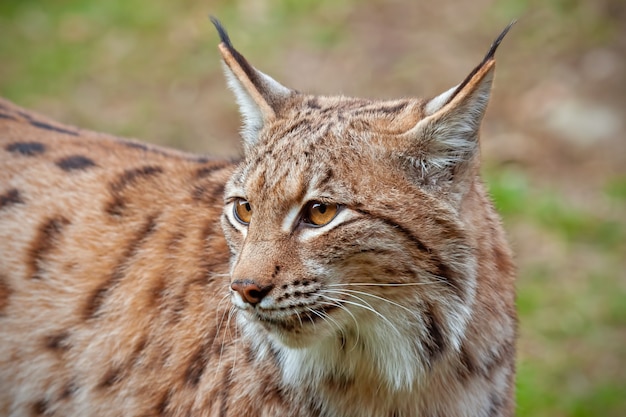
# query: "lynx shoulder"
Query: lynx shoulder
{"points": [[350, 264]]}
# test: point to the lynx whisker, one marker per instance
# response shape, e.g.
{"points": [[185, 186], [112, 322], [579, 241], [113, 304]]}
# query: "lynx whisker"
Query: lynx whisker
{"points": [[389, 284], [365, 306], [380, 298], [356, 323]]}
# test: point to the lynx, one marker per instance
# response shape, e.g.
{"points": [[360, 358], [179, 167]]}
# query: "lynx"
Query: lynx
{"points": [[350, 264]]}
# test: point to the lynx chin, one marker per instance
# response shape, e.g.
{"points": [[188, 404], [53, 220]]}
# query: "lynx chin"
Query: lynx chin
{"points": [[350, 264]]}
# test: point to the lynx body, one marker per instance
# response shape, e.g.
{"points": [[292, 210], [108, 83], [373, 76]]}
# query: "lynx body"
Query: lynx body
{"points": [[351, 264]]}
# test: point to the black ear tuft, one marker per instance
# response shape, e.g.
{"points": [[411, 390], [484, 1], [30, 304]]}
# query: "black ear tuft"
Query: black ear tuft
{"points": [[221, 31], [496, 43], [487, 58]]}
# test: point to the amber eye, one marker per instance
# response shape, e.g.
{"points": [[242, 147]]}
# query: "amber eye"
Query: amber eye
{"points": [[242, 211], [319, 214]]}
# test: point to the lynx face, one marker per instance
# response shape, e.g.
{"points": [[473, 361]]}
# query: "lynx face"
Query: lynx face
{"points": [[319, 251], [367, 272]]}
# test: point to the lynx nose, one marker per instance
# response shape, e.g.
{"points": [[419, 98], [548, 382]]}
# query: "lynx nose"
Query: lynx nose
{"points": [[250, 291]]}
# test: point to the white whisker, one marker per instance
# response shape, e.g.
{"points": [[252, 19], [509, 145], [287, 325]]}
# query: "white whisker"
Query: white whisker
{"points": [[367, 306], [381, 298], [356, 323]]}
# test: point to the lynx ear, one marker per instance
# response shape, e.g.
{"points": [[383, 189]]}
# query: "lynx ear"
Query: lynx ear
{"points": [[444, 144], [259, 96]]}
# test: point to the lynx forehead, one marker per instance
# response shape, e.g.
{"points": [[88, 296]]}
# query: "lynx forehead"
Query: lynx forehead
{"points": [[350, 264]]}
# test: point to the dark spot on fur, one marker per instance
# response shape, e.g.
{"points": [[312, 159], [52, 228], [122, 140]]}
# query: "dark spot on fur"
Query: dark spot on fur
{"points": [[46, 239], [40, 408], [109, 379], [69, 390], [208, 193], [275, 273], [5, 294], [75, 162], [12, 196], [26, 148], [7, 116], [98, 297], [135, 145], [46, 126], [130, 176], [313, 103], [196, 368], [57, 342], [206, 171], [164, 403], [116, 205]]}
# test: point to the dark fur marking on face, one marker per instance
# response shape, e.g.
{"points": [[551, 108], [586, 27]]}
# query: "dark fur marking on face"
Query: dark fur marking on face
{"points": [[435, 343], [378, 109], [328, 177], [46, 126], [404, 231], [443, 271], [26, 148], [45, 241], [75, 162], [12, 196], [276, 271], [98, 297]]}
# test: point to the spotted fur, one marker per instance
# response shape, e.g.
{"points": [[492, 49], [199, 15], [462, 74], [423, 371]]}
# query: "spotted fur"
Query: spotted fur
{"points": [[129, 286]]}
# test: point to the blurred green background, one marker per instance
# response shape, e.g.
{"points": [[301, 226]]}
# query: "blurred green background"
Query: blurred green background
{"points": [[554, 139]]}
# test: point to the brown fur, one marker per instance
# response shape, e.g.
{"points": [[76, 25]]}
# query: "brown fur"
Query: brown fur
{"points": [[116, 260]]}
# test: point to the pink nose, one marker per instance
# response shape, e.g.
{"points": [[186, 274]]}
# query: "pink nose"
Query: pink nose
{"points": [[250, 291]]}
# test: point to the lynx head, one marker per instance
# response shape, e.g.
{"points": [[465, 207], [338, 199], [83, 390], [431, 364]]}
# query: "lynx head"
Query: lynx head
{"points": [[346, 220]]}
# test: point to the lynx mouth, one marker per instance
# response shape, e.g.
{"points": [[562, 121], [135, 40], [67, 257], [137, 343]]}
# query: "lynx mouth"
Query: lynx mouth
{"points": [[293, 318]]}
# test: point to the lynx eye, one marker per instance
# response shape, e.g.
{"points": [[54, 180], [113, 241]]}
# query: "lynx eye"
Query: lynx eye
{"points": [[242, 211], [319, 214]]}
